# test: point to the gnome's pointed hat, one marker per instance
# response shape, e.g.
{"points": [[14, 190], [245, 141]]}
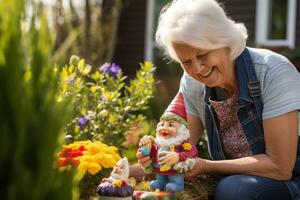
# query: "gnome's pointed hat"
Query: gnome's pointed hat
{"points": [[176, 110]]}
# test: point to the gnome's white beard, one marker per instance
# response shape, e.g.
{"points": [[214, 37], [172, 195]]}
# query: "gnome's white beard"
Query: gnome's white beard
{"points": [[182, 135], [115, 176]]}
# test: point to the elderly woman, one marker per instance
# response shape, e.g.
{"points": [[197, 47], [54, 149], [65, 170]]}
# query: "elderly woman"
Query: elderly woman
{"points": [[247, 99]]}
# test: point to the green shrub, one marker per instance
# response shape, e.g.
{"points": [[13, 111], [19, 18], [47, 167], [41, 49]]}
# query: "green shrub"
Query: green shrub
{"points": [[105, 107], [31, 119]]}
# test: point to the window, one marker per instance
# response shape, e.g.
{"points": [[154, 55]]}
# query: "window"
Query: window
{"points": [[153, 9], [275, 23]]}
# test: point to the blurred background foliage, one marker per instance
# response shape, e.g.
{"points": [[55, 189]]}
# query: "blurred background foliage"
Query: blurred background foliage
{"points": [[31, 119], [87, 28]]}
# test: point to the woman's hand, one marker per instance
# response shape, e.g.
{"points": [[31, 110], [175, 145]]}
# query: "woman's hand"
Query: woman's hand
{"points": [[168, 157], [199, 168]]}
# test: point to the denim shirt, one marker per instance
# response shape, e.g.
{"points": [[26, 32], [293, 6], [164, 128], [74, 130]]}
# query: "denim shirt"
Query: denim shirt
{"points": [[250, 117]]}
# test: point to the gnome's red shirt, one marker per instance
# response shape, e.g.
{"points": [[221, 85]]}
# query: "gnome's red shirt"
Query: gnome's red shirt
{"points": [[186, 150]]}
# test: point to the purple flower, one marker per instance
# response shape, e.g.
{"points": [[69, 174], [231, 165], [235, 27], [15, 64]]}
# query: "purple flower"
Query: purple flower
{"points": [[110, 68], [102, 99], [104, 68], [115, 69], [82, 121], [70, 80]]}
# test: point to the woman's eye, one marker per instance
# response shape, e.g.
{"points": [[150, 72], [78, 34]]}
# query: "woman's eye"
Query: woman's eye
{"points": [[171, 125], [187, 63], [201, 55]]}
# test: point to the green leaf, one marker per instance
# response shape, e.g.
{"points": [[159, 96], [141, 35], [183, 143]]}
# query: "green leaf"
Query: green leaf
{"points": [[96, 75], [71, 69], [87, 69], [81, 65]]}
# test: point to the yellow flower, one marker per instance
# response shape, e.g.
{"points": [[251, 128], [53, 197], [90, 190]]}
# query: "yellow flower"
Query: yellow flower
{"points": [[86, 158], [98, 158], [116, 157], [95, 156], [82, 167], [93, 89], [187, 146], [93, 168], [108, 161], [117, 183]]}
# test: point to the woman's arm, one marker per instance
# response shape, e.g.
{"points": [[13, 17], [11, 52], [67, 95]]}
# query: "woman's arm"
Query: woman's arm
{"points": [[281, 145], [195, 128]]}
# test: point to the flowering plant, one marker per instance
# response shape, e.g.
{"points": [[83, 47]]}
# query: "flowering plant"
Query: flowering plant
{"points": [[87, 156], [105, 107]]}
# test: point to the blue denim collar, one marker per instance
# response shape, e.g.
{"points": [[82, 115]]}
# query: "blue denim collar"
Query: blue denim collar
{"points": [[245, 76]]}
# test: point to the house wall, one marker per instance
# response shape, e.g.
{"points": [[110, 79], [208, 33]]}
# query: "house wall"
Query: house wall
{"points": [[245, 11], [242, 11], [131, 36]]}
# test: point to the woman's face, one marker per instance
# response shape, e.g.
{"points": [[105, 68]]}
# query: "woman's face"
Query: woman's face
{"points": [[211, 67]]}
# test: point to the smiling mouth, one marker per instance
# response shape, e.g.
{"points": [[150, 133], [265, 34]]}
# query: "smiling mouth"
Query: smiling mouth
{"points": [[165, 134], [208, 73]]}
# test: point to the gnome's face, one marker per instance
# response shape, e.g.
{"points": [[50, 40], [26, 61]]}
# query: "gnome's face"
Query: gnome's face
{"points": [[171, 132], [120, 170], [167, 129]]}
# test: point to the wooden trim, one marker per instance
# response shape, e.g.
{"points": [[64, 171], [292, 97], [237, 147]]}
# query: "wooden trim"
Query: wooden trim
{"points": [[149, 43]]}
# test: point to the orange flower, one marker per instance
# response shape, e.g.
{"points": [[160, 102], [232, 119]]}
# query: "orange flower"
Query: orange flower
{"points": [[187, 146]]}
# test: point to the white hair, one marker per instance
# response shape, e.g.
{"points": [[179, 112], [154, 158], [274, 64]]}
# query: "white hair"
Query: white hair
{"points": [[182, 135], [199, 23]]}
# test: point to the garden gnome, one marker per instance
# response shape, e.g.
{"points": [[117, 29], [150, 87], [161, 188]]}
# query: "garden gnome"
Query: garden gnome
{"points": [[120, 171], [171, 146], [116, 185]]}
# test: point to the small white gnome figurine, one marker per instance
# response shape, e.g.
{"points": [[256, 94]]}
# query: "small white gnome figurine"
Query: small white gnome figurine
{"points": [[120, 171], [116, 185]]}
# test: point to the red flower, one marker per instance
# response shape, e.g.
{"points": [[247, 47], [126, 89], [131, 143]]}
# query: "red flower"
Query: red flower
{"points": [[68, 156]]}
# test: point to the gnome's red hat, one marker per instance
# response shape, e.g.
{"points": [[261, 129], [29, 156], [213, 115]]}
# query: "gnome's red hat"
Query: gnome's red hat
{"points": [[176, 110]]}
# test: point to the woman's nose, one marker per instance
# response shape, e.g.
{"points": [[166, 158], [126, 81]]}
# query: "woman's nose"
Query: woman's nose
{"points": [[197, 67]]}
